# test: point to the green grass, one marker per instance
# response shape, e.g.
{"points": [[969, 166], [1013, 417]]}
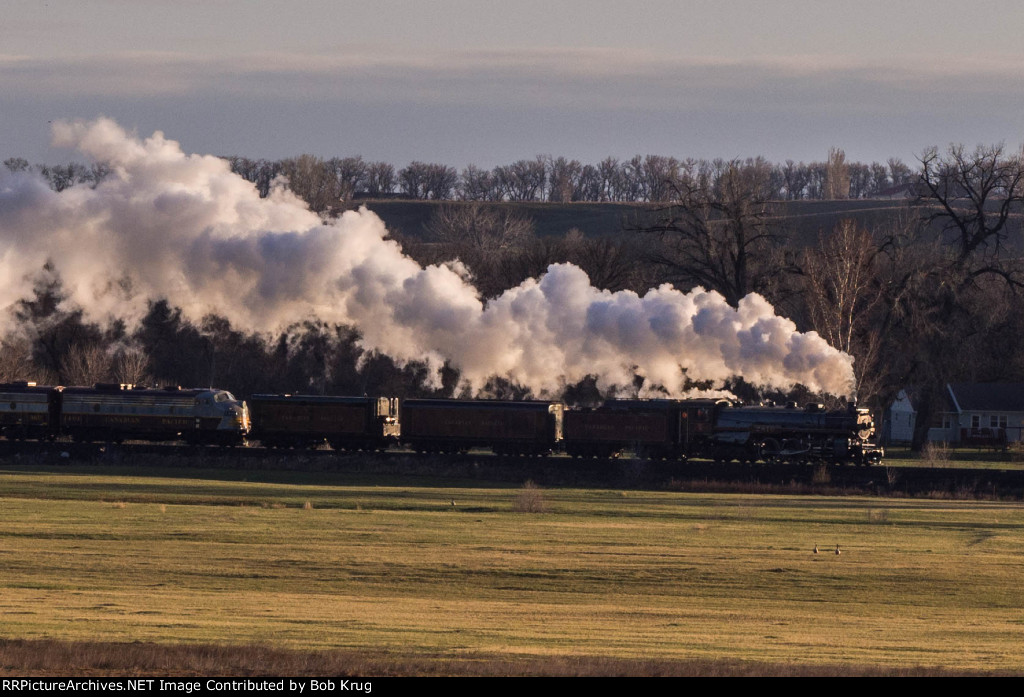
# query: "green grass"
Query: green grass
{"points": [[961, 457], [396, 568]]}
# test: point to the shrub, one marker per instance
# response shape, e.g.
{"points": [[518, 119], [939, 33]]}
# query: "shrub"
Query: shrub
{"points": [[530, 499], [935, 454], [878, 515]]}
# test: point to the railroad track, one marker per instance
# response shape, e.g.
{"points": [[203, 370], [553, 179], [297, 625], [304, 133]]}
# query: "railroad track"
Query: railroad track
{"points": [[557, 470]]}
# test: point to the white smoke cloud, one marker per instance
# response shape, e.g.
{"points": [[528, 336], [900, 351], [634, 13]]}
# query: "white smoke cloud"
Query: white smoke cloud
{"points": [[186, 228]]}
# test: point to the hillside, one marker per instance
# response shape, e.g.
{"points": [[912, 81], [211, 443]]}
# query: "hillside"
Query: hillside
{"points": [[409, 218]]}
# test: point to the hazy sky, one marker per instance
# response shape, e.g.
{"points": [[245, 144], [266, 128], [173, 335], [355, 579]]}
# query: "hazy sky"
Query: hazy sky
{"points": [[487, 82]]}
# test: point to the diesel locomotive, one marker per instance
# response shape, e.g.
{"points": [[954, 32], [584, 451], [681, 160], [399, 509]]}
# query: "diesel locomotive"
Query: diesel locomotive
{"points": [[116, 413]]}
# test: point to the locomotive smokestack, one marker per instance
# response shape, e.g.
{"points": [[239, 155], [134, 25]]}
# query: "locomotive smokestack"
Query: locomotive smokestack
{"points": [[184, 227]]}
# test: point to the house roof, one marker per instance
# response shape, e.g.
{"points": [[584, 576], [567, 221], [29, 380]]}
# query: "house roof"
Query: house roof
{"points": [[913, 395], [992, 396]]}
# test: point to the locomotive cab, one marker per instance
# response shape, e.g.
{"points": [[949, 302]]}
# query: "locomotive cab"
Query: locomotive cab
{"points": [[28, 410], [220, 417]]}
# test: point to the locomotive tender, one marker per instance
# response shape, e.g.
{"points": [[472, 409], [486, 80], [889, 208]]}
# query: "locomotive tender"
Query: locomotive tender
{"points": [[658, 428]]}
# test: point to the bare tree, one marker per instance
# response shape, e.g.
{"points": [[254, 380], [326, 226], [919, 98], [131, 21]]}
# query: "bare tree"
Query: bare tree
{"points": [[523, 180], [16, 361], [631, 175], [660, 177], [468, 227], [860, 179], [972, 195], [312, 180], [259, 172], [837, 175], [564, 179], [843, 297], [477, 185], [720, 234], [349, 173], [879, 178], [380, 179], [589, 188], [86, 364], [486, 238], [794, 180], [425, 180], [610, 180], [952, 284], [608, 261], [899, 172], [131, 366]]}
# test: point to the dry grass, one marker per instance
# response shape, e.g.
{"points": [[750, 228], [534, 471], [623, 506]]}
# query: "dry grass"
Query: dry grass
{"points": [[391, 574], [47, 657]]}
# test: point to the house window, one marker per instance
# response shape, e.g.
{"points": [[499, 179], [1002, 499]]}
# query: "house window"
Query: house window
{"points": [[995, 421], [975, 420]]}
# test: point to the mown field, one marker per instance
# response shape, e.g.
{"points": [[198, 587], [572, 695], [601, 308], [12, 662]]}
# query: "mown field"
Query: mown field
{"points": [[452, 573]]}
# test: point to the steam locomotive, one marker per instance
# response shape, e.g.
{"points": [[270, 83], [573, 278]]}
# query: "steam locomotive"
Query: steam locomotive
{"points": [[659, 428]]}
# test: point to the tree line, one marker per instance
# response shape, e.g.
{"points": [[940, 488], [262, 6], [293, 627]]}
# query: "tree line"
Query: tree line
{"points": [[925, 296], [325, 183]]}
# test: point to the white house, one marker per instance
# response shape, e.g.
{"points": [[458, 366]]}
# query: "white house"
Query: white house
{"points": [[973, 413]]}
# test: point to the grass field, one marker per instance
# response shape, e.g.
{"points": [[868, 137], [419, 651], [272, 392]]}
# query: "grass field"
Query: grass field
{"points": [[436, 573], [960, 457]]}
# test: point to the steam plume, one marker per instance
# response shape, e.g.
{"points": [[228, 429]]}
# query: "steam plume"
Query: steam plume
{"points": [[184, 227]]}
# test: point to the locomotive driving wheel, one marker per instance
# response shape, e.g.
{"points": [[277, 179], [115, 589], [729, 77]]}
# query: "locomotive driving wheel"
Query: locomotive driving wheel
{"points": [[768, 450]]}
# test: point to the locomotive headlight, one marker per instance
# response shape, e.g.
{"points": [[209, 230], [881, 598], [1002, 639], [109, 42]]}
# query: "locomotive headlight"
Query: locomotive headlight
{"points": [[239, 418], [243, 417]]}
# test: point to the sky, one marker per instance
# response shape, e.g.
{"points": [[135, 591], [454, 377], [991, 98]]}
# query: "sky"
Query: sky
{"points": [[486, 83]]}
